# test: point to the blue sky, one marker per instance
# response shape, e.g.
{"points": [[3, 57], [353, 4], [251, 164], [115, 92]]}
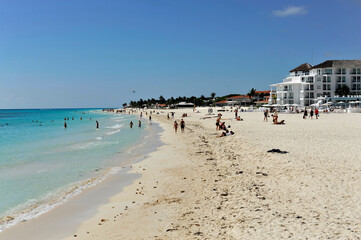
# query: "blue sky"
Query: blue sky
{"points": [[86, 53]]}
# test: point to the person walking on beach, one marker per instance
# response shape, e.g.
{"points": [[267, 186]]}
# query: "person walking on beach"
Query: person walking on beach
{"points": [[316, 113], [311, 114], [175, 126], [265, 115], [65, 125], [141, 114], [131, 124], [236, 113], [139, 124], [305, 114], [150, 118], [97, 124], [182, 125], [168, 116]]}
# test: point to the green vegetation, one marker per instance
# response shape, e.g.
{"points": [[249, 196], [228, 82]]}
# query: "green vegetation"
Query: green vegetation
{"points": [[198, 101]]}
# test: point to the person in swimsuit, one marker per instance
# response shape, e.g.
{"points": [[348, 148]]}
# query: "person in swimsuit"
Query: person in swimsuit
{"points": [[182, 125], [175, 126], [217, 123], [131, 124], [265, 115], [97, 124], [139, 124]]}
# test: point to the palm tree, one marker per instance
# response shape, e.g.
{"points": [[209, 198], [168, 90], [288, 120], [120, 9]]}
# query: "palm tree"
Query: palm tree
{"points": [[213, 95], [251, 94]]}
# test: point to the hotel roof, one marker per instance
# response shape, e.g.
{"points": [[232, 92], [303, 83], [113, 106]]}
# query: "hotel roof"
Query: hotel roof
{"points": [[339, 64], [258, 92], [303, 67], [239, 96]]}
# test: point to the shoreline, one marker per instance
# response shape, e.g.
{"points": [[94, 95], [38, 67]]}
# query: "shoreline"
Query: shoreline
{"points": [[53, 210]]}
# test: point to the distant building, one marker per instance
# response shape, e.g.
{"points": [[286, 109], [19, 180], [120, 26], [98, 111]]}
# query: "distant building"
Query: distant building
{"points": [[185, 105], [159, 106], [306, 83], [239, 100]]}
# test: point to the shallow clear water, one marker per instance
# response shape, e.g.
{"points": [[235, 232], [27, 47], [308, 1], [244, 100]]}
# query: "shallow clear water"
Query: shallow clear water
{"points": [[40, 159]]}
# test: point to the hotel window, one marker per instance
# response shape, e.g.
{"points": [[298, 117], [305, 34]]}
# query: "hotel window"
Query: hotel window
{"points": [[311, 87], [328, 71], [310, 79], [343, 79], [290, 88], [319, 79], [324, 87], [358, 79], [318, 71], [353, 71], [303, 79], [326, 79], [319, 86], [318, 94], [312, 95], [359, 71], [353, 79], [328, 86], [358, 87], [291, 96], [353, 86], [343, 70]]}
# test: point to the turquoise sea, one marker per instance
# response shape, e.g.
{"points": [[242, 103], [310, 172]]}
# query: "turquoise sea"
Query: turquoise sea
{"points": [[42, 163]]}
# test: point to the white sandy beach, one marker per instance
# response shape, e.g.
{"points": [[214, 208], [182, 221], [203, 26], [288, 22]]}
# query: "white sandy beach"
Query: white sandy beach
{"points": [[198, 186]]}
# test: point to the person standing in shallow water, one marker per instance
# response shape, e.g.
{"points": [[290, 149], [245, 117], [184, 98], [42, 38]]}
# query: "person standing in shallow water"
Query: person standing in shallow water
{"points": [[139, 124], [182, 125], [97, 124], [65, 126], [131, 124], [175, 126]]}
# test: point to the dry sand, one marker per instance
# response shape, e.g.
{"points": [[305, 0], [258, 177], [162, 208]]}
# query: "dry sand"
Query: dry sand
{"points": [[198, 186]]}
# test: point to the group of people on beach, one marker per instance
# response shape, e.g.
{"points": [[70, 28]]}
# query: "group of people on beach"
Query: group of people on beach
{"points": [[222, 126], [274, 117], [182, 125], [310, 115]]}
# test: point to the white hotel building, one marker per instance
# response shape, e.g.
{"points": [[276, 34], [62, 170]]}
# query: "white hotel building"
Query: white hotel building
{"points": [[306, 83]]}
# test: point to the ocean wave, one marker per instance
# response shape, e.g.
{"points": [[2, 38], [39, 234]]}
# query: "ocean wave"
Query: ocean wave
{"points": [[111, 133], [87, 145], [116, 126]]}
